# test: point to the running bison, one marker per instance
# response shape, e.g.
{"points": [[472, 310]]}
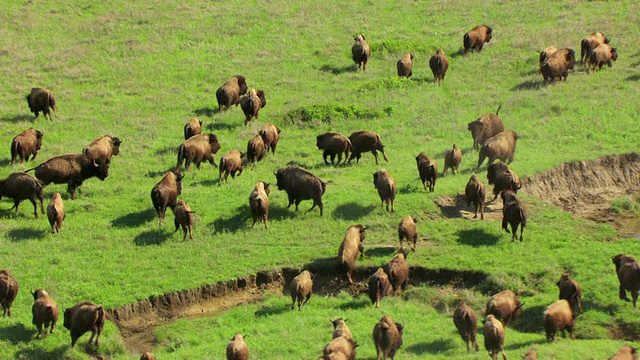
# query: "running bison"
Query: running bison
{"points": [[439, 65], [501, 146], [405, 65], [398, 271], [407, 231], [386, 186], [71, 169], [165, 193], [270, 135], [349, 249], [252, 103], [22, 186], [334, 144], [513, 213], [466, 321], [183, 218], [45, 312], [452, 159], [259, 204], [360, 52], [557, 65], [559, 316], [26, 144], [628, 270], [502, 178], [193, 127], [379, 286], [197, 149], [41, 100], [55, 213], [475, 194], [82, 317], [8, 291], [476, 37], [387, 335], [505, 306], [229, 93], [485, 127], [428, 170], [301, 288], [591, 42], [103, 148], [300, 185]]}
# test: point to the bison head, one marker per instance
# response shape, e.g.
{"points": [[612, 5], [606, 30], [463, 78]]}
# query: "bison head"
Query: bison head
{"points": [[614, 54], [67, 318], [488, 33], [101, 168], [266, 187], [213, 141], [280, 179], [38, 294], [375, 179], [263, 99], [242, 84]]}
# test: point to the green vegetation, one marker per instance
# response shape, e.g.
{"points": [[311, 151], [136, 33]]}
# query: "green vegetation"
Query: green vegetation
{"points": [[139, 70]]}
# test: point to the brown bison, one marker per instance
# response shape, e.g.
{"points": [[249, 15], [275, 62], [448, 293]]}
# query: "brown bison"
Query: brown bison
{"points": [[229, 93], [197, 149], [334, 144], [559, 316], [270, 135], [252, 103], [378, 286], [501, 146], [259, 204], [237, 348], [625, 353], [452, 159], [363, 141], [230, 163], [407, 231], [557, 65], [398, 271], [387, 335], [340, 329], [183, 218], [103, 148], [513, 213], [82, 317], [147, 356], [405, 65], [386, 186], [530, 355], [475, 194], [45, 311], [602, 55], [591, 42], [71, 169], [570, 291], [55, 212], [494, 337], [22, 186], [628, 270], [505, 306], [340, 347], [466, 321], [255, 150], [439, 65], [485, 127], [41, 100], [349, 249], [193, 127], [475, 38], [502, 178], [360, 52], [26, 144], [544, 55], [301, 288], [165, 193], [300, 185], [8, 291], [428, 170]]}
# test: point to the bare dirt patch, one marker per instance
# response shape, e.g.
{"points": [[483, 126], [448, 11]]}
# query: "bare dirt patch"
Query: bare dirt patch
{"points": [[456, 207]]}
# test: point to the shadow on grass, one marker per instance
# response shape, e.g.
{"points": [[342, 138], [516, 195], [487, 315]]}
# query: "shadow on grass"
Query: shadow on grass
{"points": [[385, 252], [275, 310], [526, 344], [352, 211], [206, 112], [337, 70], [235, 222], [411, 188], [219, 126], [283, 213], [5, 162], [633, 77], [433, 347], [167, 150], [610, 309], [38, 353], [18, 118], [326, 266], [529, 85], [530, 321], [17, 334], [160, 173], [477, 237], [456, 54], [134, 219], [26, 234], [355, 303], [152, 237]]}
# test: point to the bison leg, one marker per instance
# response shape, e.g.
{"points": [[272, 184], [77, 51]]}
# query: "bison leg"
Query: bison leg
{"points": [[298, 201], [481, 205], [15, 205], [39, 326], [375, 155], [35, 205], [333, 158], [393, 205], [306, 300], [184, 230], [504, 223], [265, 219], [622, 294], [634, 296], [339, 159], [521, 230]]}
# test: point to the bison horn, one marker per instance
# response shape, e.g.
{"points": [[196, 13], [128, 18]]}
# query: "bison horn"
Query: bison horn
{"points": [[95, 164]]}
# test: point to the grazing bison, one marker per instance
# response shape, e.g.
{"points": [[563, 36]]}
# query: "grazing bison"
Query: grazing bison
{"points": [[544, 55], [591, 42], [439, 65], [259, 204], [407, 231], [559, 316], [398, 271], [363, 141], [378, 286], [252, 103], [165, 193], [387, 335], [147, 356], [300, 185], [513, 213], [557, 65], [301, 288], [602, 55], [230, 163], [26, 144], [494, 337], [196, 149], [8, 291], [625, 353], [55, 213], [237, 348], [360, 52], [485, 127], [71, 169], [82, 317], [255, 149], [45, 311], [475, 38], [41, 100], [570, 291], [103, 148], [270, 135], [452, 159], [501, 146], [229, 93], [628, 270], [334, 144], [475, 193], [386, 186], [22, 186], [183, 218], [349, 249], [428, 170], [505, 306], [193, 127], [405, 65], [502, 178], [466, 321]]}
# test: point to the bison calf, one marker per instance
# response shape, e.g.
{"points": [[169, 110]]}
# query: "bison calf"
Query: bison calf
{"points": [[476, 37], [229, 93], [452, 159], [407, 231], [570, 291], [494, 337], [41, 100], [475, 194], [301, 288], [183, 218], [505, 306], [360, 52], [363, 141], [193, 127], [55, 213], [502, 178], [501, 146], [378, 286], [349, 249], [485, 127], [82, 317], [255, 149], [252, 103], [439, 65], [300, 185], [591, 42], [386, 186], [513, 213], [398, 272], [8, 291], [197, 149], [45, 311], [22, 186], [628, 270], [602, 55], [26, 144], [103, 148], [557, 65], [466, 321], [405, 65], [165, 193], [230, 163], [387, 335], [428, 170], [334, 144], [270, 135], [259, 204], [237, 348], [559, 316]]}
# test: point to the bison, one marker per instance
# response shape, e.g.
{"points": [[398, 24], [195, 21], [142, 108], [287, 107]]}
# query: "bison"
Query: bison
{"points": [[591, 42], [493, 331], [255, 149], [334, 144], [41, 100], [300, 185], [475, 194], [502, 178], [301, 288], [557, 65], [428, 170], [530, 355], [475, 38], [452, 159], [230, 163], [513, 213], [55, 213], [147, 356], [8, 291], [193, 127], [165, 193], [270, 135], [485, 127], [602, 55], [103, 148], [340, 329], [544, 55], [439, 65], [22, 186], [252, 103], [386, 186], [378, 286], [71, 169], [229, 93], [505, 306], [82, 317], [45, 311], [628, 270], [183, 218], [405, 65], [398, 271], [466, 321], [501, 146], [625, 353], [407, 231], [557, 317], [360, 52], [340, 347], [363, 141], [349, 249], [387, 335], [26, 144], [259, 204], [570, 290], [196, 149], [237, 348]]}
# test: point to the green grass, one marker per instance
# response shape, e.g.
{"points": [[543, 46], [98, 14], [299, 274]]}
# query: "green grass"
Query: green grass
{"points": [[140, 70]]}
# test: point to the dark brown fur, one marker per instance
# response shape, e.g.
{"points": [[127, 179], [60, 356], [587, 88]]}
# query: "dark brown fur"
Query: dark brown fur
{"points": [[439, 65], [255, 149], [193, 127], [387, 335], [165, 193], [602, 55], [270, 135], [8, 291], [476, 37], [513, 213], [570, 291], [484, 127], [363, 141], [558, 316], [26, 144], [466, 321], [398, 272], [493, 332], [628, 270], [475, 193], [502, 178], [229, 93], [230, 163], [147, 356], [237, 348], [22, 186], [183, 218], [259, 204], [45, 312], [300, 184], [505, 306], [557, 65], [407, 231], [301, 289], [452, 159], [197, 149], [41, 100], [349, 249], [501, 146], [84, 316], [428, 170], [386, 186], [334, 144], [379, 286], [71, 169], [625, 353], [252, 103], [591, 42], [360, 52], [405, 65], [55, 213]]}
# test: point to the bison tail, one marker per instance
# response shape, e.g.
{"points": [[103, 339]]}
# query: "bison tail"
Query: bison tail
{"points": [[498, 111], [523, 217], [222, 165], [14, 150], [30, 169], [101, 316], [467, 41]]}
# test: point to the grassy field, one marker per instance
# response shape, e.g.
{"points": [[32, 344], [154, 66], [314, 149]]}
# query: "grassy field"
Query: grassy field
{"points": [[140, 70]]}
